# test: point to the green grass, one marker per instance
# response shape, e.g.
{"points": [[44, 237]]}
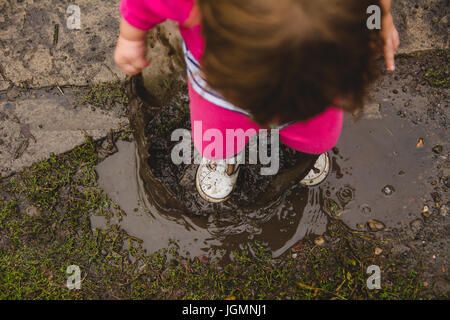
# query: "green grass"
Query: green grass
{"points": [[105, 95]]}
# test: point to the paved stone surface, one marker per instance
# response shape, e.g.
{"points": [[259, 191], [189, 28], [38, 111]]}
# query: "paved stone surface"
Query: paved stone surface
{"points": [[422, 24], [32, 129], [38, 49]]}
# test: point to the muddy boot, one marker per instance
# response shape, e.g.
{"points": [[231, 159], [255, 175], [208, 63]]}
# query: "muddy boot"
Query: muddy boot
{"points": [[319, 172], [215, 179]]}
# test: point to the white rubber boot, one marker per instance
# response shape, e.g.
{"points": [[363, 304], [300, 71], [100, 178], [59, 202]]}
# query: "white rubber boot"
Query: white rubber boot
{"points": [[215, 179], [319, 172]]}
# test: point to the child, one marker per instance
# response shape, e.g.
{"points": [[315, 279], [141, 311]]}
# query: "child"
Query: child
{"points": [[295, 65]]}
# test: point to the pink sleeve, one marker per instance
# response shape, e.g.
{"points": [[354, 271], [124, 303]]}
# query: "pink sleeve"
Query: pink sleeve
{"points": [[145, 14], [139, 14]]}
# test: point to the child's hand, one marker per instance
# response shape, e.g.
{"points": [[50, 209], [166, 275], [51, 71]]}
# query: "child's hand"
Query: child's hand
{"points": [[391, 40], [130, 55]]}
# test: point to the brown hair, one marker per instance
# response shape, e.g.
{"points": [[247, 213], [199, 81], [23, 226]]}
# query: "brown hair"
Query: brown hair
{"points": [[288, 59]]}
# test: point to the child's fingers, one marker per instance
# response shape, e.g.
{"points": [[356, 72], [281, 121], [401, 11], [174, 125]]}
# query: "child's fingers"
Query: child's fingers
{"points": [[389, 56], [140, 63], [396, 41], [129, 69]]}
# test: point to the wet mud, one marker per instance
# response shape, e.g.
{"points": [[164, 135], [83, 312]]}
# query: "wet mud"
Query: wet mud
{"points": [[381, 177]]}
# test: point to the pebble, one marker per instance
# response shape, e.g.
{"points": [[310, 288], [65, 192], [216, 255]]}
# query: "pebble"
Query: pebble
{"points": [[375, 225], [437, 149], [420, 143], [426, 212], [388, 190], [298, 246], [447, 182], [319, 241]]}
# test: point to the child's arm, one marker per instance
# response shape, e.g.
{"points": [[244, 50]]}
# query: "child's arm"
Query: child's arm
{"points": [[138, 16], [389, 34], [130, 50]]}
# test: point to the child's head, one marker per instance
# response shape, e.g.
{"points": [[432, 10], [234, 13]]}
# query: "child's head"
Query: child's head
{"points": [[288, 59]]}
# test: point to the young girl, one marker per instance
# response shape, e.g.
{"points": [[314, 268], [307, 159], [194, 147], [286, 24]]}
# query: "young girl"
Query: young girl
{"points": [[294, 65]]}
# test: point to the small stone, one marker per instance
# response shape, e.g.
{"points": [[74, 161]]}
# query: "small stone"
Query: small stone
{"points": [[388, 190], [294, 256], [319, 241], [426, 211], [375, 225], [406, 104], [425, 284], [437, 149], [378, 251], [420, 143], [298, 246], [395, 91], [447, 182]]}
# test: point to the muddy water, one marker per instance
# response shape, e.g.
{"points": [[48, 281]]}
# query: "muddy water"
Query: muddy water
{"points": [[377, 173]]}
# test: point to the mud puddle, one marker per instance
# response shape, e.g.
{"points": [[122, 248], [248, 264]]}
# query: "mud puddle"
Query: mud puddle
{"points": [[379, 172]]}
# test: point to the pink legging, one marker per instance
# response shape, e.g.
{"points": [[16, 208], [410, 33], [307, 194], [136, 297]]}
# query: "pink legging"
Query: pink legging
{"points": [[315, 136]]}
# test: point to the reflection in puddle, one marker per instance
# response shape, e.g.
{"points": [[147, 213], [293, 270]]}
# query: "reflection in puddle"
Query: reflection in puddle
{"points": [[377, 173]]}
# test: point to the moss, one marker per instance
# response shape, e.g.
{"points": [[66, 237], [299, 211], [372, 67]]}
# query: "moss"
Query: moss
{"points": [[438, 78], [104, 95]]}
